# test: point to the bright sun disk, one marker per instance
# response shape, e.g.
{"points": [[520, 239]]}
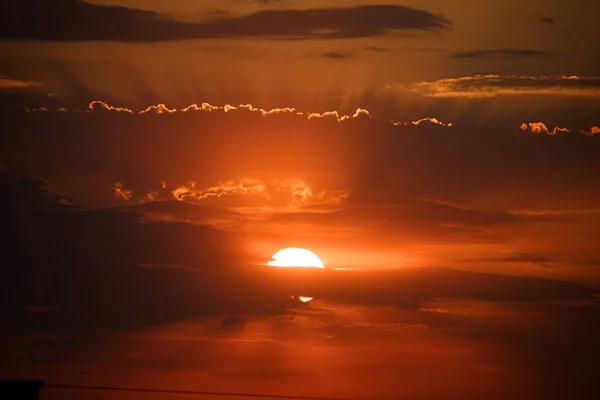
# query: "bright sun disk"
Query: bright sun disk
{"points": [[295, 257]]}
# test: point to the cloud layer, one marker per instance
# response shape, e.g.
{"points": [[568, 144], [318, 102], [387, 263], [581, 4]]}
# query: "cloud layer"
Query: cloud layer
{"points": [[73, 20], [486, 86]]}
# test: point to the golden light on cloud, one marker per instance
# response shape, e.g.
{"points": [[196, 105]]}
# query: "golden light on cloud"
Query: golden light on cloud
{"points": [[120, 192], [295, 257], [486, 86], [540, 127]]}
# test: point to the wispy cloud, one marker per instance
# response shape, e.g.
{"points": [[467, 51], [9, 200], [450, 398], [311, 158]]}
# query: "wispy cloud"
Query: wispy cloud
{"points": [[594, 130], [335, 56], [120, 192], [15, 84], [243, 187], [505, 53], [292, 192], [485, 86], [425, 121]]}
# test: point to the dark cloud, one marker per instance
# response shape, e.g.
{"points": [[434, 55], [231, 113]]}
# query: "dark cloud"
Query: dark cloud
{"points": [[335, 56], [505, 53], [408, 289], [548, 21], [376, 49], [113, 261], [520, 257], [528, 257], [38, 19], [414, 220], [234, 322], [101, 256]]}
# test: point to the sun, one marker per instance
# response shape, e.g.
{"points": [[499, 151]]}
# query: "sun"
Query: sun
{"points": [[295, 257]]}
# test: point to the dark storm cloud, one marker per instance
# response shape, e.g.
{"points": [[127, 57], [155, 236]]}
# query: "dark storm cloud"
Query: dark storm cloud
{"points": [[505, 53], [335, 56], [72, 20]]}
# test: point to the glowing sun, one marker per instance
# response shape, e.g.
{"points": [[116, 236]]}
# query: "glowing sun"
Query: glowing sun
{"points": [[294, 257]]}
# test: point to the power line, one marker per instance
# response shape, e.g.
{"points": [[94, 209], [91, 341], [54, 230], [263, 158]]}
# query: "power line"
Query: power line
{"points": [[191, 392]]}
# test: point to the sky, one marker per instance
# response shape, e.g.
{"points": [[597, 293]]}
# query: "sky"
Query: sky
{"points": [[440, 157]]}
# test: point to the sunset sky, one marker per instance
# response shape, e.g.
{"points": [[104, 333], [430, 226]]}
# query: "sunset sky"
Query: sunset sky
{"points": [[442, 159]]}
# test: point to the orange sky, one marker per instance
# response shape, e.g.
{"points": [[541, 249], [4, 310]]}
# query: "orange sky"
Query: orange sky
{"points": [[440, 157]]}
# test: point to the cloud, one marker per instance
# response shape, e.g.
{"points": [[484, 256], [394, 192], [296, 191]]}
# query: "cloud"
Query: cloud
{"points": [[71, 20], [358, 153], [540, 127], [414, 221], [376, 49], [594, 130], [160, 109], [486, 86], [340, 118], [15, 84], [182, 210], [547, 21], [528, 258], [151, 196], [96, 257], [120, 192], [293, 192], [506, 53], [97, 105], [335, 56], [518, 257], [246, 187], [432, 121], [44, 109]]}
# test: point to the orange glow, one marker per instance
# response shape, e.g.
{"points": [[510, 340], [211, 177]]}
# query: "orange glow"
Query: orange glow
{"points": [[295, 257]]}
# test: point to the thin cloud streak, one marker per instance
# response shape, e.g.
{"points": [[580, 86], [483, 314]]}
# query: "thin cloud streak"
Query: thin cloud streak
{"points": [[506, 53], [15, 84], [426, 121], [487, 86]]}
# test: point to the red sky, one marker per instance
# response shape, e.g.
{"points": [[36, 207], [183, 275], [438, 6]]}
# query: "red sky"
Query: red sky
{"points": [[440, 157]]}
